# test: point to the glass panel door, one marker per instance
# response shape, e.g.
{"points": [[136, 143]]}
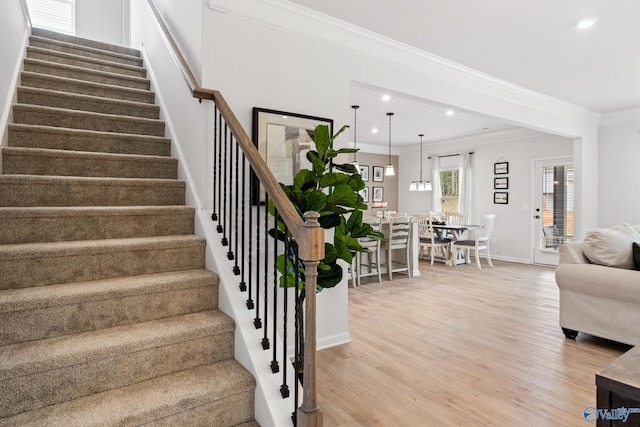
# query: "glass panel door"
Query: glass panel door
{"points": [[553, 217]]}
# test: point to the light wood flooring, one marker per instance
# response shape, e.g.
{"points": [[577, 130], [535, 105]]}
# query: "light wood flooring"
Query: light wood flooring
{"points": [[460, 347]]}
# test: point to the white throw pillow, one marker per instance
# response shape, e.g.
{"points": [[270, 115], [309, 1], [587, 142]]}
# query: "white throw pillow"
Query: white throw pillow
{"points": [[612, 246]]}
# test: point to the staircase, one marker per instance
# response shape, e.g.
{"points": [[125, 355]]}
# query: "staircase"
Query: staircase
{"points": [[107, 314]]}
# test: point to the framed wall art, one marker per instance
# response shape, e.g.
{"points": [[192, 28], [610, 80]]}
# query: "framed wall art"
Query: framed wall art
{"points": [[501, 168], [501, 183], [364, 193], [378, 194], [378, 174], [283, 140], [364, 172], [500, 197]]}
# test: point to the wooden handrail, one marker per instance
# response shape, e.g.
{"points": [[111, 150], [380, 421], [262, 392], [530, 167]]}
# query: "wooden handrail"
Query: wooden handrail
{"points": [[308, 233]]}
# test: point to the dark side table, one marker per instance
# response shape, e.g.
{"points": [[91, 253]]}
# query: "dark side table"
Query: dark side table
{"points": [[618, 392]]}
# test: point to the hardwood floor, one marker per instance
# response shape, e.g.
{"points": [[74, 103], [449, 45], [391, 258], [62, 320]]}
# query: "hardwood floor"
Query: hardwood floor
{"points": [[460, 347]]}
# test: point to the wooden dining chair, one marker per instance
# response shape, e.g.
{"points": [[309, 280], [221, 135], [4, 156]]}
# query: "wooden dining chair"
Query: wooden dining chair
{"points": [[398, 239], [373, 249], [454, 218], [480, 243], [428, 240]]}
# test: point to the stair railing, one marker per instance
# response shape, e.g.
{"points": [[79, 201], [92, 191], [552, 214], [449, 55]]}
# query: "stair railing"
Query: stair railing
{"points": [[233, 151]]}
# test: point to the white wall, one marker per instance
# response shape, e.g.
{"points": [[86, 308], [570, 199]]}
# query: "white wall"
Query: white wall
{"points": [[14, 30], [619, 161], [513, 227], [104, 21]]}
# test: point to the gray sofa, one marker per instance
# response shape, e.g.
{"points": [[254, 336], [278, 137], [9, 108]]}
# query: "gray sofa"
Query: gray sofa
{"points": [[600, 300]]}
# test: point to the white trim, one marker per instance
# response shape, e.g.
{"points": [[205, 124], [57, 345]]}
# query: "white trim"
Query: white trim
{"points": [[619, 117], [25, 10], [302, 21], [218, 5]]}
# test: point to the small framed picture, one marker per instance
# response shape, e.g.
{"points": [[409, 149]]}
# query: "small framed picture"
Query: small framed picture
{"points": [[500, 197], [364, 193], [364, 172], [501, 168], [501, 183], [378, 173], [378, 193]]}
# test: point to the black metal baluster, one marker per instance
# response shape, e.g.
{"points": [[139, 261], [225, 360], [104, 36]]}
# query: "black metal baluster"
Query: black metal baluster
{"points": [[265, 309], [243, 254], [219, 228], [257, 322], [230, 211], [284, 388], [225, 241], [214, 214], [274, 362], [236, 267], [296, 340]]}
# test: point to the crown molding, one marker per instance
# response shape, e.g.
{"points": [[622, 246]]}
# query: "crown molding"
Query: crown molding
{"points": [[620, 117], [302, 21]]}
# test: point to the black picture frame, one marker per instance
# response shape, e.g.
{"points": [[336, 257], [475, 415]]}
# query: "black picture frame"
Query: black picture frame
{"points": [[378, 194], [378, 174], [501, 197], [283, 139], [364, 172], [501, 168], [501, 183]]}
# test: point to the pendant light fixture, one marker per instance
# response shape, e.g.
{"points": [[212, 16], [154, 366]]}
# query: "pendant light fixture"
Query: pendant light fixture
{"points": [[420, 185], [355, 137], [389, 171]]}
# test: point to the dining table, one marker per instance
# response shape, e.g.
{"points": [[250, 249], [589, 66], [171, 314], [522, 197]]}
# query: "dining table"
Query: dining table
{"points": [[457, 232]]}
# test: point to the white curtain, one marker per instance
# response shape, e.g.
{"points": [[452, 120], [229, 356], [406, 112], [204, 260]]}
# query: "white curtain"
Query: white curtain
{"points": [[436, 204], [465, 204]]}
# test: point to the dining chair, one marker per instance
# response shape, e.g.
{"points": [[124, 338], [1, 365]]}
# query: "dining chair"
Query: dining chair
{"points": [[552, 237], [373, 248], [454, 218], [480, 243], [398, 214], [429, 240], [398, 239], [439, 217]]}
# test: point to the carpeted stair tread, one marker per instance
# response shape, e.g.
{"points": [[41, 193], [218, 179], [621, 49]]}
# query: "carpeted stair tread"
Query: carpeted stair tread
{"points": [[54, 224], [49, 137], [27, 313], [80, 73], [53, 35], [29, 358], [45, 372], [40, 161], [50, 263], [36, 190], [152, 400], [85, 62], [72, 119], [95, 104], [12, 300], [71, 85], [87, 51]]}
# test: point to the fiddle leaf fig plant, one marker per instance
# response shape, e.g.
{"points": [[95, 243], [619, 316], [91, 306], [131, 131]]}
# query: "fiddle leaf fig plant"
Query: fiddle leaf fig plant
{"points": [[332, 190]]}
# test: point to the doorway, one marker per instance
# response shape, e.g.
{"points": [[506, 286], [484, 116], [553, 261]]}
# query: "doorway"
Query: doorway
{"points": [[553, 208]]}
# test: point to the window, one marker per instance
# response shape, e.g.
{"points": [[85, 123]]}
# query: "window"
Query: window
{"points": [[55, 15], [450, 187], [557, 204]]}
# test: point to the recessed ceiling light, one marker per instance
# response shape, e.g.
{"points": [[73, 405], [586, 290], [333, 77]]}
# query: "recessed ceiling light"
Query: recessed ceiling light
{"points": [[285, 117], [374, 130], [586, 23], [385, 98], [450, 113]]}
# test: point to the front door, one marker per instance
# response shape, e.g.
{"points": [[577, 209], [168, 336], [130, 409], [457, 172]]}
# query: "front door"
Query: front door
{"points": [[553, 208]]}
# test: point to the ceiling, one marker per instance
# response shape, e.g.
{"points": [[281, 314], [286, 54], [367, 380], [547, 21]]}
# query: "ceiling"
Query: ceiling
{"points": [[534, 44]]}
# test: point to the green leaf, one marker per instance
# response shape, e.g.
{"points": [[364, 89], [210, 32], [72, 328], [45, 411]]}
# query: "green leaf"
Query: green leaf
{"points": [[346, 168], [346, 150], [304, 179], [316, 200], [342, 129], [356, 183], [343, 195], [330, 253], [329, 221], [319, 166], [329, 278], [343, 249], [322, 139], [333, 178]]}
